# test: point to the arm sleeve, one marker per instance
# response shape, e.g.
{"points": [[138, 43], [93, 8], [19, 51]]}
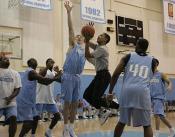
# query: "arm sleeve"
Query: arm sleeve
{"points": [[17, 80], [92, 61]]}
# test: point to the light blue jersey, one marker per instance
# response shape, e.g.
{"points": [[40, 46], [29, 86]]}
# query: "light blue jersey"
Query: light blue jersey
{"points": [[27, 95], [75, 60], [73, 67], [135, 90], [157, 87]]}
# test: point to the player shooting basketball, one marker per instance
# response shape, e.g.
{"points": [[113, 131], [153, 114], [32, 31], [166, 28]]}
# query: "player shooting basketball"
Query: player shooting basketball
{"points": [[100, 59]]}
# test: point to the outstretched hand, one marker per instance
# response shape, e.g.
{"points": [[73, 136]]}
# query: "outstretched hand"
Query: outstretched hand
{"points": [[91, 24], [58, 76], [68, 6]]}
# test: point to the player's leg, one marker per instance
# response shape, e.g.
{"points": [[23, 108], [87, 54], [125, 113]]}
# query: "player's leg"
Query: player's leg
{"points": [[52, 108], [125, 118], [11, 114], [157, 124], [148, 131], [100, 86], [157, 111], [119, 129], [89, 91], [56, 115], [167, 123], [39, 110], [74, 105], [142, 118], [67, 89], [25, 115], [26, 127], [35, 125]]}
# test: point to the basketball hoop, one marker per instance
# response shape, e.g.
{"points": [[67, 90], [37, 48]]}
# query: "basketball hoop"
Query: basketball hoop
{"points": [[2, 54]]}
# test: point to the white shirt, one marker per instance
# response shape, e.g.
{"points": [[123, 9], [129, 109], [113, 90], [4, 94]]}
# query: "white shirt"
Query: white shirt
{"points": [[44, 93], [9, 80]]}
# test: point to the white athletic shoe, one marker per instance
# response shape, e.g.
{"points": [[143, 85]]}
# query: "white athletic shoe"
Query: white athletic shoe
{"points": [[72, 132], [66, 133], [104, 115], [156, 134], [172, 132], [48, 133]]}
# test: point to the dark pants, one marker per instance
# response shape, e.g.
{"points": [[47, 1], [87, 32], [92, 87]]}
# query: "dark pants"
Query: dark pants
{"points": [[93, 94]]}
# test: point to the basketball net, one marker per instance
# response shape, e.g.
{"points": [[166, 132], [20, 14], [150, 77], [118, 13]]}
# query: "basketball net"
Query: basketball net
{"points": [[14, 3]]}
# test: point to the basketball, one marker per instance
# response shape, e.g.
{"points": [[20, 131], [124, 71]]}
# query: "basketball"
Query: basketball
{"points": [[88, 31]]}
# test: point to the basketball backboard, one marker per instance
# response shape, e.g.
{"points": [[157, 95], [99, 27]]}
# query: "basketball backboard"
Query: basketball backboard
{"points": [[10, 45]]}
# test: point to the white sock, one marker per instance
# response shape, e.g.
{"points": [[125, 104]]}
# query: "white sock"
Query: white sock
{"points": [[156, 133], [71, 126], [172, 129], [66, 126]]}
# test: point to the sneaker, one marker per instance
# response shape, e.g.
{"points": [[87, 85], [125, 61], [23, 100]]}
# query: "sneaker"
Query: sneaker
{"points": [[172, 133], [156, 134], [72, 132], [104, 116], [48, 133]]}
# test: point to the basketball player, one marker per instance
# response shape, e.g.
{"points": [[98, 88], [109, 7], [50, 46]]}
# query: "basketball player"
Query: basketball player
{"points": [[10, 84], [135, 100], [70, 82], [45, 100], [158, 91], [100, 59], [26, 100]]}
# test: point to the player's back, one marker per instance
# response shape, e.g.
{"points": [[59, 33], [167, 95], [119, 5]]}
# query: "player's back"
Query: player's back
{"points": [[135, 91]]}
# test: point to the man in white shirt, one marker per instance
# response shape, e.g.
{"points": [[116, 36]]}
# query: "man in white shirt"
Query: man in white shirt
{"points": [[10, 84], [45, 101]]}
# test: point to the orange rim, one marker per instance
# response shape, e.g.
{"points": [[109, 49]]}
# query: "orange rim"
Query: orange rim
{"points": [[5, 53]]}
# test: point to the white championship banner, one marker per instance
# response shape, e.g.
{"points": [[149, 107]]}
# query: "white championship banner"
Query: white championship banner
{"points": [[93, 10], [169, 16], [40, 4]]}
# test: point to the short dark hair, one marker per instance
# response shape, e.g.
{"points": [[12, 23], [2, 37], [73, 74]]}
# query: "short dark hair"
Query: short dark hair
{"points": [[108, 38], [31, 62], [143, 44], [49, 59], [156, 61]]}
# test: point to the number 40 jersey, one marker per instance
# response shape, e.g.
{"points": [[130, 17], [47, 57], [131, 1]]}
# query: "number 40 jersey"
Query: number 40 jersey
{"points": [[135, 90]]}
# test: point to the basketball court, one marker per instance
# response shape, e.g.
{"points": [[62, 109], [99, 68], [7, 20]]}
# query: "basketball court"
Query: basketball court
{"points": [[38, 29], [92, 128]]}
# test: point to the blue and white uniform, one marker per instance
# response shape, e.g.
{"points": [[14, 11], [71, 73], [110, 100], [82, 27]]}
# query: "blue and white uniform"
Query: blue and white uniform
{"points": [[158, 92], [135, 100], [45, 101], [26, 100], [73, 67], [9, 80]]}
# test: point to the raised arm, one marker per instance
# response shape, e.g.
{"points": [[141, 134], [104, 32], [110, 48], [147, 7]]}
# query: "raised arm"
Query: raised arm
{"points": [[33, 75], [70, 25]]}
